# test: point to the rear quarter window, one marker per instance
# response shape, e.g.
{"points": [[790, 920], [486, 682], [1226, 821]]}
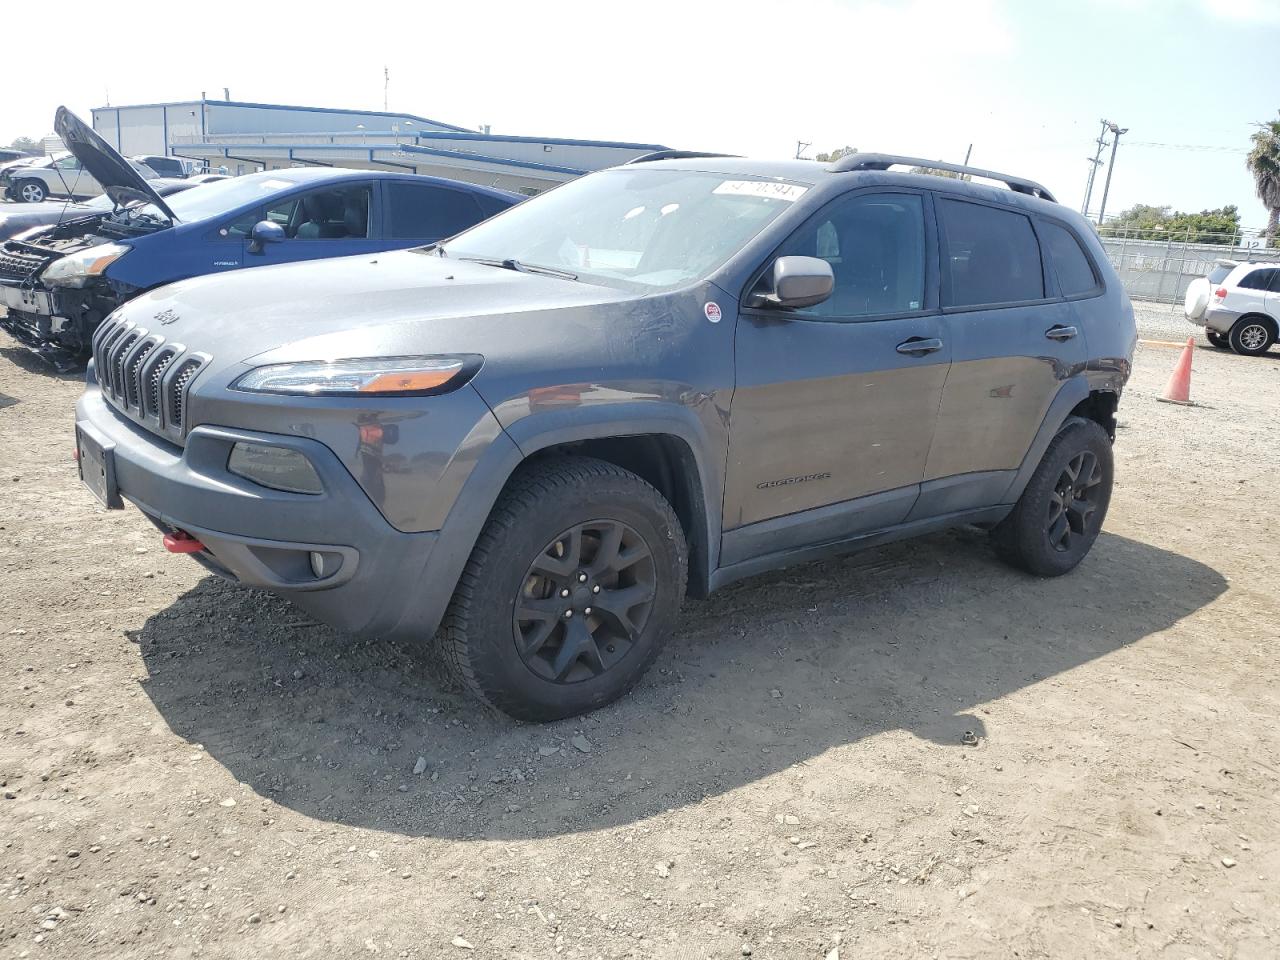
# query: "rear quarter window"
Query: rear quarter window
{"points": [[1075, 272], [1218, 274]]}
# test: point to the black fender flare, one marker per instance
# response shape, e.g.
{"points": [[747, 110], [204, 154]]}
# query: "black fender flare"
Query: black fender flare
{"points": [[525, 438]]}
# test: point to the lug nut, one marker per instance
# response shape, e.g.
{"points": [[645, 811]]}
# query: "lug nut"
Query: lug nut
{"points": [[582, 578], [587, 611], [596, 588], [568, 614], [564, 592]]}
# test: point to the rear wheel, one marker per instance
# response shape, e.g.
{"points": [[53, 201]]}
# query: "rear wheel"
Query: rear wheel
{"points": [[1060, 513], [30, 191], [1217, 339], [1251, 336], [570, 592]]}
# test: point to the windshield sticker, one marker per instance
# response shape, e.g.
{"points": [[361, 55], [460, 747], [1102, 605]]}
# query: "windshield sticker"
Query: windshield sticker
{"points": [[770, 190], [712, 310]]}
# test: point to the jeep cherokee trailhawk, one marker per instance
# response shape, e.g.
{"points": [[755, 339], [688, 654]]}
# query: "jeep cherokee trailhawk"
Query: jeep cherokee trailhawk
{"points": [[531, 439]]}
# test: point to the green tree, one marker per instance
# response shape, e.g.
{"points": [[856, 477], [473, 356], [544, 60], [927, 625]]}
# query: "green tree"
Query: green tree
{"points": [[934, 172], [1145, 222], [1264, 163], [835, 155], [26, 144]]}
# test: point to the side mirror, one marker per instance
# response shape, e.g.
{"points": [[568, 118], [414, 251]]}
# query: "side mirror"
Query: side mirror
{"points": [[264, 232], [798, 282]]}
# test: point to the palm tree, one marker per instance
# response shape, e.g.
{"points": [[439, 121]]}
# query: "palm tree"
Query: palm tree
{"points": [[1264, 163]]}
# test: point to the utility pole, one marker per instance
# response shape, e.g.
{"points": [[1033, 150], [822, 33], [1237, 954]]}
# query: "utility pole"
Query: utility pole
{"points": [[801, 147], [1094, 163], [1116, 132], [967, 154], [386, 82]]}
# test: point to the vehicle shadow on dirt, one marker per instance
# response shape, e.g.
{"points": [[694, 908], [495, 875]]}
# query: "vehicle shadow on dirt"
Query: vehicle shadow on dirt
{"points": [[24, 359], [771, 672]]}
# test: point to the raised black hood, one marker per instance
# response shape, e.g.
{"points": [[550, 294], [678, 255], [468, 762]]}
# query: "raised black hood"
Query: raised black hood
{"points": [[118, 179]]}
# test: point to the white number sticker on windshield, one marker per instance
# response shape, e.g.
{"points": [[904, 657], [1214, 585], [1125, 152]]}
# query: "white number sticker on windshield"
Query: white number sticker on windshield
{"points": [[761, 188]]}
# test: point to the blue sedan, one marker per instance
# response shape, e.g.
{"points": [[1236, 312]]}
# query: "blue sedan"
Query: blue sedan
{"points": [[59, 282]]}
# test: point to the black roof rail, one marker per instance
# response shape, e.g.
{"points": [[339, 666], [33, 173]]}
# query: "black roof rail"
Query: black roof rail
{"points": [[883, 161], [677, 155]]}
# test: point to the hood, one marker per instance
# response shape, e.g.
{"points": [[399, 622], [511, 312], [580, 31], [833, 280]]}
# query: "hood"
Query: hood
{"points": [[117, 177], [385, 304]]}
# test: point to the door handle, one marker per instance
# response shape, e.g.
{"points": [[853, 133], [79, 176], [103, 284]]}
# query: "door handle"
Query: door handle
{"points": [[1061, 333], [919, 346]]}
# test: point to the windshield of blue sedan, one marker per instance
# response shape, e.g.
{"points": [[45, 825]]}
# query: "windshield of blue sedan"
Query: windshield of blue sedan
{"points": [[215, 199], [641, 229]]}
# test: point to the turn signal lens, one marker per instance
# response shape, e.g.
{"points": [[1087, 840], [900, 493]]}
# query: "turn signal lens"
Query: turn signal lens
{"points": [[1220, 293], [388, 377], [411, 382]]}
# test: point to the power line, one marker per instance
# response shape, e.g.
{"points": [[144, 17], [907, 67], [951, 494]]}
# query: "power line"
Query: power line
{"points": [[1185, 146]]}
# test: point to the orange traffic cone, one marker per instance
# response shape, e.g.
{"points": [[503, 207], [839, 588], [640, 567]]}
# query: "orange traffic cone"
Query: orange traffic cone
{"points": [[1178, 389]]}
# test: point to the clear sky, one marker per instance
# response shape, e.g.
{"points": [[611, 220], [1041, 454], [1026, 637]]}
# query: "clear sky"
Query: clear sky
{"points": [[1024, 81]]}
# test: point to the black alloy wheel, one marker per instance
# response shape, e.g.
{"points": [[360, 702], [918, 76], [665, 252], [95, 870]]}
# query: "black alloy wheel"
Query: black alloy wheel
{"points": [[585, 599], [1074, 501]]}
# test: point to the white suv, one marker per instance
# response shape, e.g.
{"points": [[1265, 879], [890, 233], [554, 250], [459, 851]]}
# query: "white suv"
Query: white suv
{"points": [[1238, 304]]}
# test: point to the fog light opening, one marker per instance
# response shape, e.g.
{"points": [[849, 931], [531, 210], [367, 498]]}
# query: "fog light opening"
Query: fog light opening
{"points": [[324, 565], [278, 468]]}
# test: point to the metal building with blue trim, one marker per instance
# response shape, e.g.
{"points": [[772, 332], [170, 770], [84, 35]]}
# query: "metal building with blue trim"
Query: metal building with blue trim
{"points": [[241, 137]]}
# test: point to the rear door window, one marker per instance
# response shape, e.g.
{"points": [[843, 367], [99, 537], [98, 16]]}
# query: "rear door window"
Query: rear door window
{"points": [[1075, 272], [990, 256], [423, 212]]}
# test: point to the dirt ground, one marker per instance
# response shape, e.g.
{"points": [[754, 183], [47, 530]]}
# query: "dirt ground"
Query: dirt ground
{"points": [[195, 770]]}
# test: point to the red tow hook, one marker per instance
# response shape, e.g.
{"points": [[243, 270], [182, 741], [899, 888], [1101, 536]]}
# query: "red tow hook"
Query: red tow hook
{"points": [[182, 542]]}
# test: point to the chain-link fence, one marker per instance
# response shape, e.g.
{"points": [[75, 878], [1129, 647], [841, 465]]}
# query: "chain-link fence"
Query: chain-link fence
{"points": [[1162, 267]]}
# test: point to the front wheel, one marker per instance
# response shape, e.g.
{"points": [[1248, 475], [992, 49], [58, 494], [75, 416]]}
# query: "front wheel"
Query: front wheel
{"points": [[30, 191], [1060, 513], [1251, 336], [572, 589]]}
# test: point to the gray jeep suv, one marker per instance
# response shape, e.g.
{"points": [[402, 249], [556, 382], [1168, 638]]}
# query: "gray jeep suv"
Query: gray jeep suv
{"points": [[532, 439]]}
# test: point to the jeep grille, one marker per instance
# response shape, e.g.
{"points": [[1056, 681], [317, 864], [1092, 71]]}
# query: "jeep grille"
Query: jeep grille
{"points": [[144, 377]]}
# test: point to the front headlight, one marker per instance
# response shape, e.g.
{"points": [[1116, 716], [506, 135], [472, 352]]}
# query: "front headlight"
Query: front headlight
{"points": [[77, 269], [389, 377]]}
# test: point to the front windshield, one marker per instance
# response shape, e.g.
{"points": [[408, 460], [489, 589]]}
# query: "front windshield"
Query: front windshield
{"points": [[633, 227], [214, 199]]}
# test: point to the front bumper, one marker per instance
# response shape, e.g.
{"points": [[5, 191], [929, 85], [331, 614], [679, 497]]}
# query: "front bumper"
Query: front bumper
{"points": [[26, 299], [263, 538], [31, 317]]}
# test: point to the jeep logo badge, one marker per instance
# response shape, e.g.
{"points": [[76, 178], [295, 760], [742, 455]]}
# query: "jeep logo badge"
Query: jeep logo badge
{"points": [[165, 317]]}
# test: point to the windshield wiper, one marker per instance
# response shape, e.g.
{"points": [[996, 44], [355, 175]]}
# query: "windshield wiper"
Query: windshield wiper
{"points": [[519, 267]]}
